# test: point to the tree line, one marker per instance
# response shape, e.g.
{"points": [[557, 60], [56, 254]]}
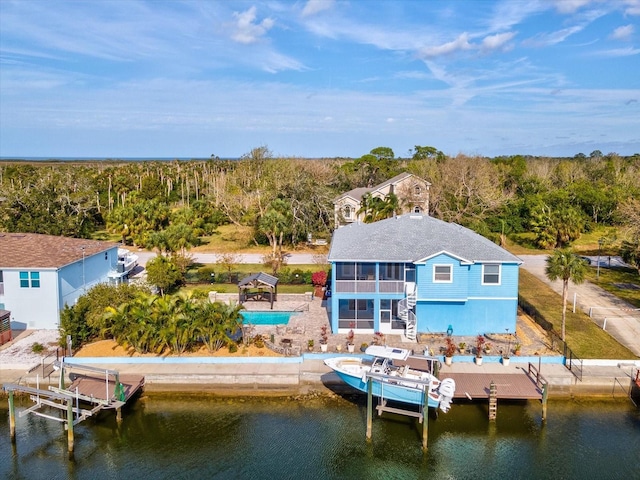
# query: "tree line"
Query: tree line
{"points": [[168, 206]]}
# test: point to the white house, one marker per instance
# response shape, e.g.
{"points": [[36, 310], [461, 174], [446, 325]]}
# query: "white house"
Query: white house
{"points": [[412, 193], [40, 274]]}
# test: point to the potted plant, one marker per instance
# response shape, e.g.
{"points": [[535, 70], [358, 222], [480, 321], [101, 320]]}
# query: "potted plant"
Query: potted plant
{"points": [[461, 347], [364, 346], [324, 337], [449, 351], [506, 355], [516, 349], [350, 345], [505, 359], [487, 348], [319, 280], [378, 338], [479, 349], [310, 344]]}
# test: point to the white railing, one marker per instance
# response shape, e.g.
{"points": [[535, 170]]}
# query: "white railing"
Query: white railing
{"points": [[405, 312]]}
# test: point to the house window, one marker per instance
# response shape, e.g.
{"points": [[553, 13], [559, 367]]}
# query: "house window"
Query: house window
{"points": [[366, 271], [417, 190], [356, 314], [442, 274], [416, 209], [346, 271], [29, 279], [347, 211], [491, 274], [391, 271]]}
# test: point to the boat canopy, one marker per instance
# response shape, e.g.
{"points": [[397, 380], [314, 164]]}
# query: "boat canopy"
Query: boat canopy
{"points": [[388, 352]]}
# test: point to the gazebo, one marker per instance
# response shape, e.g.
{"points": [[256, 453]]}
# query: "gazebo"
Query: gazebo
{"points": [[264, 286]]}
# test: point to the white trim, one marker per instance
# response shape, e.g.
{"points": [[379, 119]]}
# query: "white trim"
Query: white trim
{"points": [[492, 284], [435, 266], [443, 252], [426, 299]]}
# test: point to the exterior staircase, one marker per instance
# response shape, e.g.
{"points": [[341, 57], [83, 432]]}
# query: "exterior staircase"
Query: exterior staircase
{"points": [[405, 311]]}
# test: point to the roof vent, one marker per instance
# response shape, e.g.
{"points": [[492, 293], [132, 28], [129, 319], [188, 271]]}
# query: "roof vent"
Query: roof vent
{"points": [[416, 217]]}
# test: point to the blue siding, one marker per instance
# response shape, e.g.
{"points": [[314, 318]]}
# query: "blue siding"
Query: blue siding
{"points": [[457, 290], [465, 304], [469, 318]]}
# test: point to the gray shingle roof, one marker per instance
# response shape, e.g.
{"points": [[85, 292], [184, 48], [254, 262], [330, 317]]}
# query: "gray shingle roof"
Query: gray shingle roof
{"points": [[258, 278], [410, 238]]}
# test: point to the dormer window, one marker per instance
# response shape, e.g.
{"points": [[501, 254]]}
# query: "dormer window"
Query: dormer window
{"points": [[417, 189], [416, 209], [347, 211]]}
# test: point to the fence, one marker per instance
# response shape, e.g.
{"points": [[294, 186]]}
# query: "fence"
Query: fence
{"points": [[572, 362]]}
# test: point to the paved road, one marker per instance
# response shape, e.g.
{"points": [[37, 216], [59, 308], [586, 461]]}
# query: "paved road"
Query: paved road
{"points": [[622, 319]]}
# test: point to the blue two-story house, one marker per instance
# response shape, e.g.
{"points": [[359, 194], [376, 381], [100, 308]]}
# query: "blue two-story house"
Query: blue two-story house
{"points": [[416, 274]]}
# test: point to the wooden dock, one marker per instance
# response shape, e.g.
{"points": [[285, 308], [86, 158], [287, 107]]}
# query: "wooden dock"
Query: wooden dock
{"points": [[90, 392], [512, 386], [95, 387]]}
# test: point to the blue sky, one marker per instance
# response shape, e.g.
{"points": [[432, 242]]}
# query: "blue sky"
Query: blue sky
{"points": [[318, 78]]}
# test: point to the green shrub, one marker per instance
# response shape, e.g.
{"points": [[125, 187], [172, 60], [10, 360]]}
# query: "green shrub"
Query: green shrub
{"points": [[204, 275], [37, 348], [233, 348]]}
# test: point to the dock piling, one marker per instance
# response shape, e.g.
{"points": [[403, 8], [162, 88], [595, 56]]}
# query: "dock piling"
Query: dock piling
{"points": [[369, 407], [425, 420], [12, 418], [70, 425]]}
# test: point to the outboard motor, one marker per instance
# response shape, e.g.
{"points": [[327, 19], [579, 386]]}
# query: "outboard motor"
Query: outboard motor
{"points": [[447, 389]]}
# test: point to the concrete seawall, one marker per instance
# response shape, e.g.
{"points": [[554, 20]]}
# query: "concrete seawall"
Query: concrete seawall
{"points": [[308, 373]]}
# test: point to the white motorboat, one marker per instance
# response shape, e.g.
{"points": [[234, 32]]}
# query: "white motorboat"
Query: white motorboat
{"points": [[127, 261], [397, 375]]}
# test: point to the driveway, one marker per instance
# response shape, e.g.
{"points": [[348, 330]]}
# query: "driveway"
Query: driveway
{"points": [[619, 318]]}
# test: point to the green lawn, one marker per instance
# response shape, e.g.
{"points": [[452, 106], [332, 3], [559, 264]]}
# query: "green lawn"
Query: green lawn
{"points": [[617, 281], [584, 337]]}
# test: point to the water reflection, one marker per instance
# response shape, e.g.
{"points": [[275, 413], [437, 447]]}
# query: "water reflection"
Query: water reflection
{"points": [[207, 437]]}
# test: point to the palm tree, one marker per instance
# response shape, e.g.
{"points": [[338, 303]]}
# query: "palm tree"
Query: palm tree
{"points": [[565, 265]]}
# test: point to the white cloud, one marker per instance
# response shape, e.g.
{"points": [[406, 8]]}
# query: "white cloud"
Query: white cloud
{"points": [[633, 7], [499, 41], [247, 31], [316, 6], [617, 52], [623, 33], [570, 6], [460, 43]]}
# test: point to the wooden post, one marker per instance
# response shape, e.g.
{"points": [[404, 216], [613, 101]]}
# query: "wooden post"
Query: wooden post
{"points": [[61, 382], [545, 389], [369, 407], [118, 414], [70, 424], [493, 401], [12, 418], [425, 419]]}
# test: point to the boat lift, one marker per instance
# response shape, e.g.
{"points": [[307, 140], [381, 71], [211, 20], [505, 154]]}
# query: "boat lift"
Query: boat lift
{"points": [[99, 389]]}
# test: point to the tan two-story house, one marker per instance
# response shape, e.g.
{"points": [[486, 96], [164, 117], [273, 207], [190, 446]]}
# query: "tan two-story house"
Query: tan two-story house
{"points": [[412, 193]]}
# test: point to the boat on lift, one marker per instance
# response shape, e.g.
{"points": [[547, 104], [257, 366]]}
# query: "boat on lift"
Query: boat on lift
{"points": [[396, 374], [126, 262]]}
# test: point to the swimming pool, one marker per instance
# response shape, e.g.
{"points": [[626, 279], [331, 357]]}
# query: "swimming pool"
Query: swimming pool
{"points": [[266, 317]]}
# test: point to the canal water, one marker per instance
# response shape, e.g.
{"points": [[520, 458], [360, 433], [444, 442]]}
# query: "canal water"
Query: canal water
{"points": [[205, 437]]}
